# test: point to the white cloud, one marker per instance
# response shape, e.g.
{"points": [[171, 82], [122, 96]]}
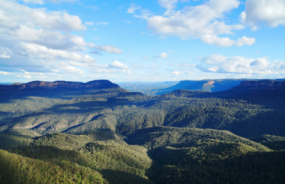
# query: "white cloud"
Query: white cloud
{"points": [[240, 65], [114, 67], [106, 48], [204, 21], [36, 41], [4, 73], [260, 62], [162, 55], [34, 1], [79, 64], [245, 41], [51, 39], [78, 40], [30, 75], [176, 72], [169, 5], [268, 12], [46, 1], [117, 64], [13, 15], [102, 23], [133, 8], [70, 69], [52, 54], [5, 52], [215, 40]]}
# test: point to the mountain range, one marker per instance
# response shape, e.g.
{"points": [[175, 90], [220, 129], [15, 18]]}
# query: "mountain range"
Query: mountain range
{"points": [[220, 131]]}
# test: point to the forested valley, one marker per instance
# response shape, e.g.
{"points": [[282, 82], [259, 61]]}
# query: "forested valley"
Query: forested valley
{"points": [[98, 132]]}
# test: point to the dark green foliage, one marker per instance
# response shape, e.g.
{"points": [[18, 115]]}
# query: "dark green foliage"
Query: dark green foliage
{"points": [[15, 138], [155, 137], [271, 141], [18, 169], [187, 155], [223, 163], [176, 129], [248, 114], [103, 152]]}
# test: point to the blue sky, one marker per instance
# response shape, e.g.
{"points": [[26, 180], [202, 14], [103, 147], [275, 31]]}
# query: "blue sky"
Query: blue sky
{"points": [[135, 40]]}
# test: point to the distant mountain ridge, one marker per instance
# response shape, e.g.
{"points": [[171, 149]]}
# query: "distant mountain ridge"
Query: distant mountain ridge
{"points": [[260, 85], [218, 85], [215, 85], [100, 84]]}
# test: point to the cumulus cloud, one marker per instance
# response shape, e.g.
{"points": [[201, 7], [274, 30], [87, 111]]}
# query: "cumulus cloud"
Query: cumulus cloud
{"points": [[176, 72], [268, 12], [13, 15], [30, 75], [162, 55], [5, 52], [34, 1], [133, 8], [203, 21], [40, 43], [70, 69], [79, 64], [245, 41], [46, 1], [117, 64], [114, 67], [46, 53], [240, 65], [169, 5], [4, 73], [106, 48]]}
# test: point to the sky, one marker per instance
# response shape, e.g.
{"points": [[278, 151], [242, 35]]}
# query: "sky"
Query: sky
{"points": [[141, 40]]}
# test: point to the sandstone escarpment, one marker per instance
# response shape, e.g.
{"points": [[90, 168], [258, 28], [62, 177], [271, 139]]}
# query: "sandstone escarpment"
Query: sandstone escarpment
{"points": [[98, 84], [261, 85]]}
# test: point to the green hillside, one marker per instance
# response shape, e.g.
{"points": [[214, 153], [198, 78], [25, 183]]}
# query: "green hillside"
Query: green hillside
{"points": [[156, 137], [97, 152], [111, 135], [18, 169], [187, 155], [169, 155], [271, 141], [247, 114]]}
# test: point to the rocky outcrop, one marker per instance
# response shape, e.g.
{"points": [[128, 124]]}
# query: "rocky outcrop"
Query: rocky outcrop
{"points": [[98, 84], [261, 85], [203, 85]]}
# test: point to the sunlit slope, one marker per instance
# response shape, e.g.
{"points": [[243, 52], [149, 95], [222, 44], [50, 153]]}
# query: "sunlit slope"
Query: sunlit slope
{"points": [[19, 169], [103, 152]]}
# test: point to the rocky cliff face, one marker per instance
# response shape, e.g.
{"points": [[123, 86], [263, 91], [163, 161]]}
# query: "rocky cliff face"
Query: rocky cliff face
{"points": [[261, 85], [98, 84]]}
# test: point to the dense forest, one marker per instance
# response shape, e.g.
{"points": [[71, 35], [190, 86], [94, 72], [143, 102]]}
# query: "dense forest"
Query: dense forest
{"points": [[91, 133]]}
